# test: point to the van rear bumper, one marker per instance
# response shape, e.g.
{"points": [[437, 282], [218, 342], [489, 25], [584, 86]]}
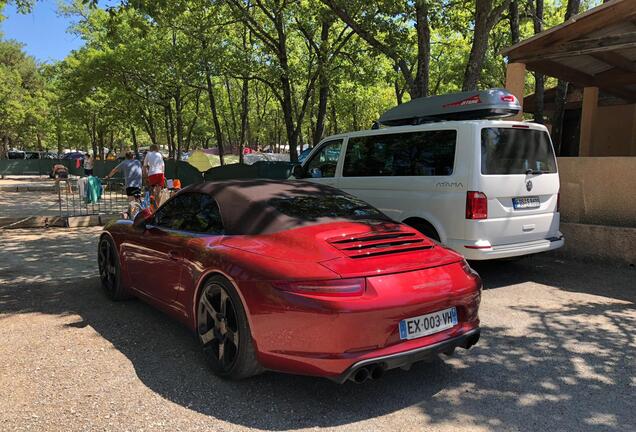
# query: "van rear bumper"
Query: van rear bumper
{"points": [[482, 250]]}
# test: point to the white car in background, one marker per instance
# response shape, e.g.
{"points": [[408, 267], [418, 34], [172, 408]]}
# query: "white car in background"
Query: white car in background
{"points": [[485, 188]]}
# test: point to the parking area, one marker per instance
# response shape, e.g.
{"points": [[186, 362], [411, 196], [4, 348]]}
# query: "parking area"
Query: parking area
{"points": [[558, 352]]}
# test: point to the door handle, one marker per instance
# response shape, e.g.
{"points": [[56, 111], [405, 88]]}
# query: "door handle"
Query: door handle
{"points": [[173, 255]]}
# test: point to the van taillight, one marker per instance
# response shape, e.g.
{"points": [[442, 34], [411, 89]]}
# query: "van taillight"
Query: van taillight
{"points": [[558, 201], [476, 205]]}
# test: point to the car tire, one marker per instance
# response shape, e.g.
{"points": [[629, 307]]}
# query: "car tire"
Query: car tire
{"points": [[425, 228], [221, 320], [110, 270]]}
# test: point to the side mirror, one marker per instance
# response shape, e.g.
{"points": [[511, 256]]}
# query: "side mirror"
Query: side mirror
{"points": [[298, 171], [142, 218]]}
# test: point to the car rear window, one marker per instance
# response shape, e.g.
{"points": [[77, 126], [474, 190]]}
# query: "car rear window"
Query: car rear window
{"points": [[312, 207], [424, 153], [515, 151]]}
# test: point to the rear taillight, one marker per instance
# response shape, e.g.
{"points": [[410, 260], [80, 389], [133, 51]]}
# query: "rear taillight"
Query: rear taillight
{"points": [[476, 205], [558, 201], [335, 288]]}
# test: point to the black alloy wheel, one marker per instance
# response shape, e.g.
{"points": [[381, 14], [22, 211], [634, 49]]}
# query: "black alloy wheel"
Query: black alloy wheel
{"points": [[109, 269], [224, 332]]}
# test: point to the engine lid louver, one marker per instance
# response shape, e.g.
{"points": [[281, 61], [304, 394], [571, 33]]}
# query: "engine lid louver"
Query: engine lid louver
{"points": [[374, 244]]}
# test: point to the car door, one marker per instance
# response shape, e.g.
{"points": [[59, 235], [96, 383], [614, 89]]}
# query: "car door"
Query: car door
{"points": [[208, 232], [155, 262], [323, 163]]}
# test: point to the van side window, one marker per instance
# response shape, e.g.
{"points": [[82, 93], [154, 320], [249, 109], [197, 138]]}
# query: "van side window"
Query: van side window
{"points": [[323, 164], [424, 153]]}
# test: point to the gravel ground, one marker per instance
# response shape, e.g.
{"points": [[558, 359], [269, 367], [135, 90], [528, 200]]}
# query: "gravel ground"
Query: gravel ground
{"points": [[558, 352]]}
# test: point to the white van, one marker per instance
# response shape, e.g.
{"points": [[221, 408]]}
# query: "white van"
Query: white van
{"points": [[485, 188]]}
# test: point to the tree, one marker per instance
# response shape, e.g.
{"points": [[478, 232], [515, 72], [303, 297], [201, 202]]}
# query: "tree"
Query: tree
{"points": [[539, 79], [390, 36], [487, 15]]}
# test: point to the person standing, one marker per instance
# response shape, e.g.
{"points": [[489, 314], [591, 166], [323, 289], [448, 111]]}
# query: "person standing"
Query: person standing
{"points": [[131, 169], [154, 168], [60, 172], [89, 161]]}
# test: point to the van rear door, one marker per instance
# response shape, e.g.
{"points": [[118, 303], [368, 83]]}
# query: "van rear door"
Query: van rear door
{"points": [[519, 177]]}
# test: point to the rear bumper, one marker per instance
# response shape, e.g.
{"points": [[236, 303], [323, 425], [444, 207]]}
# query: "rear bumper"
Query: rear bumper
{"points": [[407, 358], [482, 250]]}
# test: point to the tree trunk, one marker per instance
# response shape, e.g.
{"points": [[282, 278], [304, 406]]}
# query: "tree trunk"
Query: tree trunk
{"points": [[92, 128], [100, 144], [539, 79], [486, 17], [323, 85], [215, 115], [479, 47], [58, 131], [234, 129], [562, 91], [168, 127], [244, 118], [4, 154], [178, 104], [193, 123], [171, 145], [133, 135], [420, 85], [513, 17], [334, 118]]}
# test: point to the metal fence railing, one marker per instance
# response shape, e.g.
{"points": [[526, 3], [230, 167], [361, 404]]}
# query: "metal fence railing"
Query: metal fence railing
{"points": [[75, 197]]}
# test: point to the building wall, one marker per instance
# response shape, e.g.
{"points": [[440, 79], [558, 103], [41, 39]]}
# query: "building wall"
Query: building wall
{"points": [[598, 190], [614, 131]]}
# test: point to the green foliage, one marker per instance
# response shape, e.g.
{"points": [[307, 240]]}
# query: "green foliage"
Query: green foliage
{"points": [[144, 70]]}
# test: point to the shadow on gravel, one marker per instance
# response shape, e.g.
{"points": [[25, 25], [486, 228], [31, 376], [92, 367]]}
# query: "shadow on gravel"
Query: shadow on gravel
{"points": [[573, 276], [562, 374]]}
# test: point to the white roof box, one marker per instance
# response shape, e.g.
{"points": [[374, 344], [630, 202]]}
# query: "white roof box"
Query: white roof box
{"points": [[471, 105]]}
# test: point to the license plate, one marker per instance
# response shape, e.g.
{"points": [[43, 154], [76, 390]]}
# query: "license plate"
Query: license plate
{"points": [[428, 324], [522, 203]]}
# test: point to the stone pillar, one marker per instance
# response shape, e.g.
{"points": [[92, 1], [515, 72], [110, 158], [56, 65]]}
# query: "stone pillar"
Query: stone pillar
{"points": [[588, 114], [515, 83]]}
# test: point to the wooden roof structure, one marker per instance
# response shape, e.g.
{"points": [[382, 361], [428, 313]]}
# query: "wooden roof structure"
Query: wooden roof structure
{"points": [[596, 48]]}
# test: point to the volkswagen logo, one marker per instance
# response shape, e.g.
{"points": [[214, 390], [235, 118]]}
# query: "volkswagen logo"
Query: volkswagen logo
{"points": [[529, 185]]}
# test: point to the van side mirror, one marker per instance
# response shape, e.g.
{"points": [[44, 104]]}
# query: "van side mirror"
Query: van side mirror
{"points": [[142, 218], [298, 171]]}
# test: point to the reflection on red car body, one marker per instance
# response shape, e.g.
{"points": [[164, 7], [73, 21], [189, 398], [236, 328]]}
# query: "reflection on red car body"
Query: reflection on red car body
{"points": [[294, 277]]}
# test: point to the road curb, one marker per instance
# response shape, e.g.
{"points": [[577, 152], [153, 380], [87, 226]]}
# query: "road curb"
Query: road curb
{"points": [[56, 221]]}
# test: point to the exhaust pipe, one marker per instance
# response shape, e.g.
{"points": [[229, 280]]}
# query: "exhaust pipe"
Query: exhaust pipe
{"points": [[377, 372], [471, 341], [360, 376]]}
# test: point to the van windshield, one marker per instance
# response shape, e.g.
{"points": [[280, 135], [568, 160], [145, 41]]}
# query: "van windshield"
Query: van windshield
{"points": [[515, 151]]}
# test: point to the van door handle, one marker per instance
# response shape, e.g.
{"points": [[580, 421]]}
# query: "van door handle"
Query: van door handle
{"points": [[529, 227]]}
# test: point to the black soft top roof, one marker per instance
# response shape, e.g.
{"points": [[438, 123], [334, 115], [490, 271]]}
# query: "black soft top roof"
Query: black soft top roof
{"points": [[247, 205]]}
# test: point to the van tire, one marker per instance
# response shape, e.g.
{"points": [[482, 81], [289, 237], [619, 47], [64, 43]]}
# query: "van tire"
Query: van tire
{"points": [[424, 227]]}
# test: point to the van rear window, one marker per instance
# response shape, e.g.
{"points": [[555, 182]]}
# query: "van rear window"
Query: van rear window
{"points": [[424, 153], [515, 151]]}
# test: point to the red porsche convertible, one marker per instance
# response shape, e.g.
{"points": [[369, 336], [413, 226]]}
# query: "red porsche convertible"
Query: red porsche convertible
{"points": [[293, 277]]}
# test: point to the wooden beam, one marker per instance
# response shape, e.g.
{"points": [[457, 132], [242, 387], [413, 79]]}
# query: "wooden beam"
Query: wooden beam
{"points": [[515, 83], [572, 75], [615, 59], [615, 77], [594, 19], [562, 71], [588, 114], [585, 47]]}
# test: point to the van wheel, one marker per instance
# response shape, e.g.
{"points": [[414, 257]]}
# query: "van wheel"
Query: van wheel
{"points": [[424, 227]]}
